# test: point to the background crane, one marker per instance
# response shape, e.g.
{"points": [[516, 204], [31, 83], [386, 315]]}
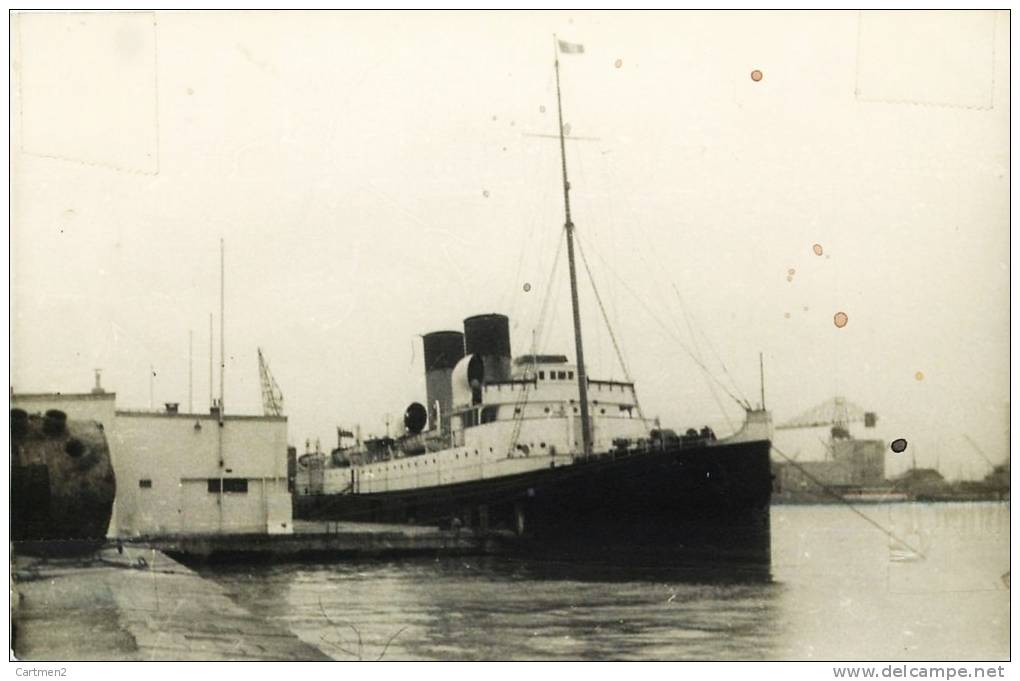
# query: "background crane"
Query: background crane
{"points": [[837, 414], [272, 397]]}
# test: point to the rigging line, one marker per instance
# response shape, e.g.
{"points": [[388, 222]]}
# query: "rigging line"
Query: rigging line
{"points": [[532, 223], [836, 495], [672, 334], [611, 214], [522, 400], [656, 264], [711, 386], [697, 348], [733, 382], [546, 333], [609, 327], [654, 267], [535, 338], [596, 232], [553, 285], [694, 339], [689, 318]]}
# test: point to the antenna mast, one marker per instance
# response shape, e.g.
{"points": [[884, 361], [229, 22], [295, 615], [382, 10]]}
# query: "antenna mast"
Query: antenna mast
{"points": [[761, 372], [223, 357], [582, 377], [211, 385]]}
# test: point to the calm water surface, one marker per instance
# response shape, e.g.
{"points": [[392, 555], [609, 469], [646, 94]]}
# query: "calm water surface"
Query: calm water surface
{"points": [[840, 589]]}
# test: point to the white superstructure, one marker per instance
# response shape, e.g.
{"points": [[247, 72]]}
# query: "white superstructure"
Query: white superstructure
{"points": [[498, 428]]}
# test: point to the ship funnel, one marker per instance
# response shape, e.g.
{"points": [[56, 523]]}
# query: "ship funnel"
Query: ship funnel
{"points": [[488, 336], [443, 349]]}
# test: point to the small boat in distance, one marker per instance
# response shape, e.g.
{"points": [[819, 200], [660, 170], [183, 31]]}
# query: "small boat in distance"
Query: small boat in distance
{"points": [[564, 463]]}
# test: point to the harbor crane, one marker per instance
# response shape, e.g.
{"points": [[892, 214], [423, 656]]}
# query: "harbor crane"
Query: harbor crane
{"points": [[272, 397], [837, 414]]}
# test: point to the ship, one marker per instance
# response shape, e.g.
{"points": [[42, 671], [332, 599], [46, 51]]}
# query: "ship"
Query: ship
{"points": [[531, 447]]}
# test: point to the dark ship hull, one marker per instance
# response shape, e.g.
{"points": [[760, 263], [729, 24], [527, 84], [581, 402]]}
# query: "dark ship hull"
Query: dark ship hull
{"points": [[681, 506]]}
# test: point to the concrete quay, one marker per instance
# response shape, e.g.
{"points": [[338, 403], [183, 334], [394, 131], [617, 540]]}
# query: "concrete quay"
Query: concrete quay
{"points": [[137, 604]]}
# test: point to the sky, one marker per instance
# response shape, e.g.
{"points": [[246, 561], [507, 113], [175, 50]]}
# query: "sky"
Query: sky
{"points": [[376, 176]]}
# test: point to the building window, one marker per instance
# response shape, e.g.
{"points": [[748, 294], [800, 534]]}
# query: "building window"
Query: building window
{"points": [[232, 485], [145, 483]]}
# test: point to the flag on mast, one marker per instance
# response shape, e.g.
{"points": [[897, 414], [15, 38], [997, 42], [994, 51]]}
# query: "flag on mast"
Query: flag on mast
{"points": [[570, 48]]}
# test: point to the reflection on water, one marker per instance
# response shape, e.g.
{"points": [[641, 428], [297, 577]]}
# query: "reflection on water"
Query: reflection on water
{"points": [[839, 590]]}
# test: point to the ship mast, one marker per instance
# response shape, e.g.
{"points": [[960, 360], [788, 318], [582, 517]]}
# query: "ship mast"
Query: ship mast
{"points": [[582, 377]]}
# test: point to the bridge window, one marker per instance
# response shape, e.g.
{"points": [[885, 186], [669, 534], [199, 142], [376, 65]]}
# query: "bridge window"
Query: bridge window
{"points": [[541, 375], [562, 375], [145, 484], [570, 375], [489, 414]]}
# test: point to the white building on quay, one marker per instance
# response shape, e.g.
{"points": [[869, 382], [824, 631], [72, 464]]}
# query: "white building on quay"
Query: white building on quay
{"points": [[184, 474]]}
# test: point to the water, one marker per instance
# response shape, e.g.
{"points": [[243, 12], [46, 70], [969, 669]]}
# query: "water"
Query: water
{"points": [[840, 590]]}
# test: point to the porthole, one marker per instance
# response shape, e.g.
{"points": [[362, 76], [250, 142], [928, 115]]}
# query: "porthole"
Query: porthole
{"points": [[542, 445]]}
